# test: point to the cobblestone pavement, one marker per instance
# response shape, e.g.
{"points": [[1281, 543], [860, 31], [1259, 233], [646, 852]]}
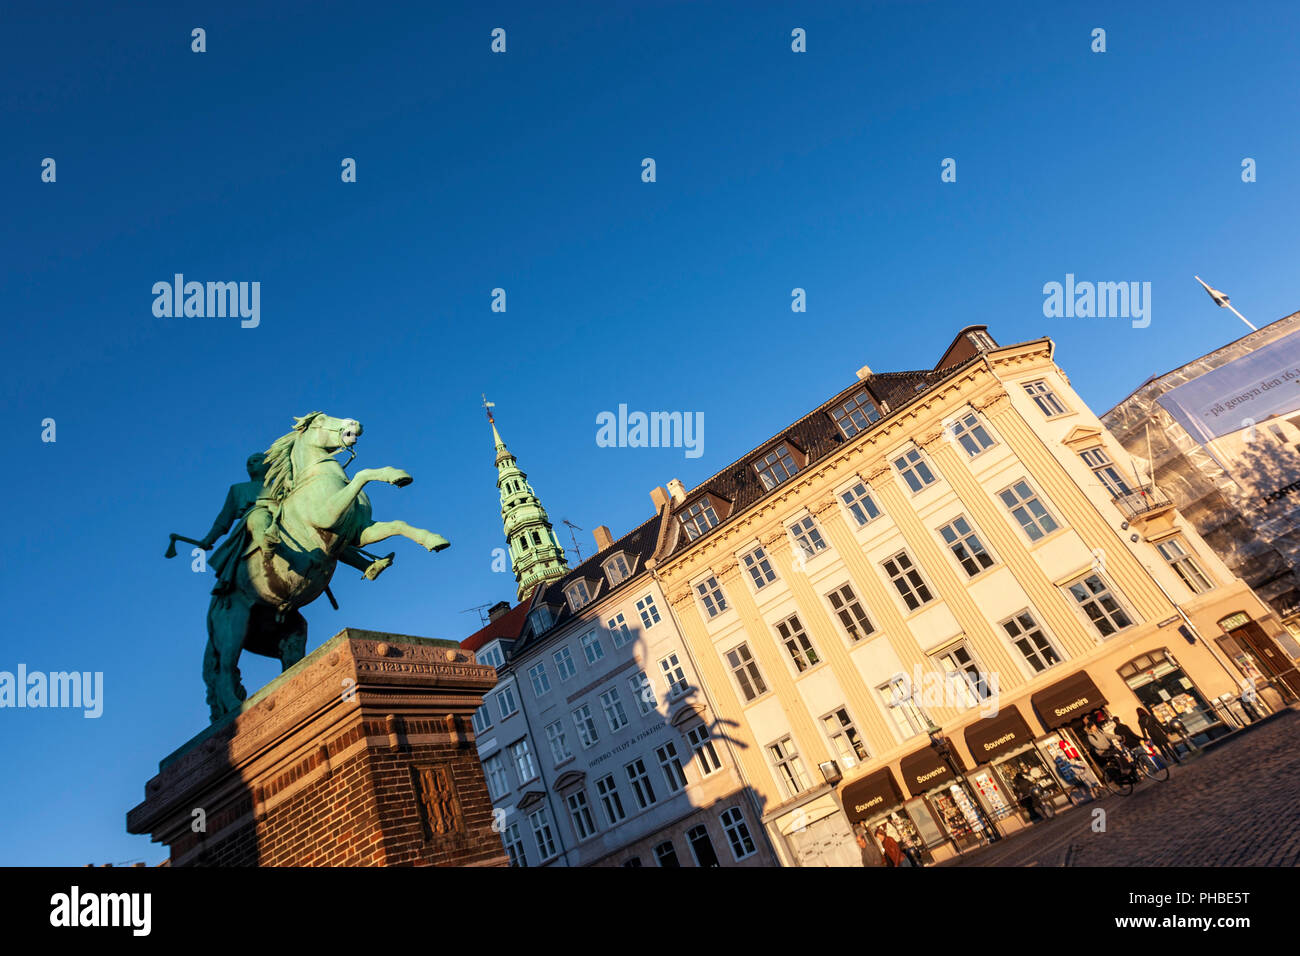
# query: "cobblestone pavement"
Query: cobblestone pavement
{"points": [[1238, 804]]}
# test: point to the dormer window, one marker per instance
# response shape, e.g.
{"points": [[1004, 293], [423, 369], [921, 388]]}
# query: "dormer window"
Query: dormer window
{"points": [[617, 570], [539, 619], [699, 517], [776, 466], [577, 594], [855, 414]]}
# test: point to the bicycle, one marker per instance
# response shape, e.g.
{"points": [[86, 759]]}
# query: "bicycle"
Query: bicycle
{"points": [[1116, 775], [1154, 768]]}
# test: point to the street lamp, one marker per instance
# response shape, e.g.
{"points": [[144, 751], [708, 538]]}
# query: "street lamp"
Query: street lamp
{"points": [[943, 747]]}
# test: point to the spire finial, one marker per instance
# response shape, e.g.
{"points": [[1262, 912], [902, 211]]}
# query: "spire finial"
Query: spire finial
{"points": [[487, 407]]}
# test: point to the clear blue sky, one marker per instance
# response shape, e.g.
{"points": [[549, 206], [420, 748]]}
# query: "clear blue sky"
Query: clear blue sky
{"points": [[522, 170]]}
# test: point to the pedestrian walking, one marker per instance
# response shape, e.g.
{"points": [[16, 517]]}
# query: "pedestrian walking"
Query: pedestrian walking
{"points": [[871, 854], [893, 852], [1155, 732]]}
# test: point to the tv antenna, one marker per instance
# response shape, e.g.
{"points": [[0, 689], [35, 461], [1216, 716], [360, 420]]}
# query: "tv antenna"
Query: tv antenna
{"points": [[480, 608], [573, 527]]}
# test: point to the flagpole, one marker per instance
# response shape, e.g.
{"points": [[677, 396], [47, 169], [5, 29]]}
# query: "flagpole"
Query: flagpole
{"points": [[1222, 300]]}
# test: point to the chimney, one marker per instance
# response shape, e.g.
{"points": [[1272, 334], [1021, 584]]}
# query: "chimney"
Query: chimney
{"points": [[496, 610], [677, 490], [659, 497], [864, 372], [603, 538]]}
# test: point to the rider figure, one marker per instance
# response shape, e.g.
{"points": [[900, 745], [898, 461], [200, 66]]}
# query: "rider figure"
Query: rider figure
{"points": [[257, 530]]}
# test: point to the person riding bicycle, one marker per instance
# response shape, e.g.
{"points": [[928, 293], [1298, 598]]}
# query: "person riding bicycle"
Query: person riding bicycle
{"points": [[1108, 748]]}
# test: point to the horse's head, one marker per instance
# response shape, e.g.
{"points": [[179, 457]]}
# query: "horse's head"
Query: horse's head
{"points": [[315, 437], [322, 432]]}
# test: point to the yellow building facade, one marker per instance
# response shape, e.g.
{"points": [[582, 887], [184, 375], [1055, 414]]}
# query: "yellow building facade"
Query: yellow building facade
{"points": [[940, 549]]}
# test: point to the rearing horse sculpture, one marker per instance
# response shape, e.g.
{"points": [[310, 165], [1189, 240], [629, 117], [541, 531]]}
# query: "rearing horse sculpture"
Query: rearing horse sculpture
{"points": [[316, 512]]}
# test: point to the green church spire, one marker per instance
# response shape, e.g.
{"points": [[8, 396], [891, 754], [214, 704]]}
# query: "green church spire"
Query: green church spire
{"points": [[535, 552]]}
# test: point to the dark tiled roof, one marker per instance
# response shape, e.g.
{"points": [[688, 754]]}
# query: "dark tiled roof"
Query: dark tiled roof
{"points": [[507, 626], [816, 435], [638, 544]]}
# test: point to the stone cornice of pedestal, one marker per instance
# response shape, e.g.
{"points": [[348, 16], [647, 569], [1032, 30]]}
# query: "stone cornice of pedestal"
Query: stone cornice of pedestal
{"points": [[390, 674]]}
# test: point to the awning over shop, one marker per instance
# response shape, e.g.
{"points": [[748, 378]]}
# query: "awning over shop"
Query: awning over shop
{"points": [[925, 770], [871, 795], [995, 735], [1067, 699]]}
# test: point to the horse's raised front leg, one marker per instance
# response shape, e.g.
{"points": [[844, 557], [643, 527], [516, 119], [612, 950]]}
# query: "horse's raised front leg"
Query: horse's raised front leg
{"points": [[328, 511], [380, 530]]}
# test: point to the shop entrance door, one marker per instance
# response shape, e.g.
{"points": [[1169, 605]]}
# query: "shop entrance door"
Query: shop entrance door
{"points": [[825, 842], [1276, 664]]}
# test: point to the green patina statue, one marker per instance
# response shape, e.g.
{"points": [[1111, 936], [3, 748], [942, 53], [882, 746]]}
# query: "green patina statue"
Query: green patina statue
{"points": [[295, 518]]}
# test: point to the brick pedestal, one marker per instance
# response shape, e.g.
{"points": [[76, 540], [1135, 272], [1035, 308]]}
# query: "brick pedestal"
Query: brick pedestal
{"points": [[361, 754]]}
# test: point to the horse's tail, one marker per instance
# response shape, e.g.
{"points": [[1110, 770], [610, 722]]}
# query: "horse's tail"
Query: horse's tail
{"points": [[211, 664]]}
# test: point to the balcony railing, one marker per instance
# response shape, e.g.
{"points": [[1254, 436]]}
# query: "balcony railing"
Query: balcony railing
{"points": [[1135, 504]]}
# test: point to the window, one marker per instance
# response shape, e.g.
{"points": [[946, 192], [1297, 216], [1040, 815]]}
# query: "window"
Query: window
{"points": [[640, 780], [914, 469], [969, 432], [966, 547], [706, 755], [699, 518], [541, 683], [701, 846], [788, 766], [494, 769], [1094, 597], [523, 757], [612, 704], [491, 657], [1044, 398], [1106, 472], [643, 692], [583, 825], [733, 825], [555, 737], [797, 643], [591, 648], [776, 466], [807, 537], [849, 610], [649, 613], [897, 698], [745, 670], [542, 832], [759, 568], [1172, 550], [711, 596], [585, 725], [617, 570], [506, 704], [1024, 632], [539, 619], [564, 664], [964, 675], [846, 743], [577, 594], [907, 579], [665, 855], [674, 675], [861, 505], [514, 845], [1025, 507], [607, 790], [619, 632], [674, 777], [856, 414], [482, 719]]}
